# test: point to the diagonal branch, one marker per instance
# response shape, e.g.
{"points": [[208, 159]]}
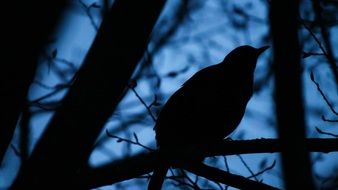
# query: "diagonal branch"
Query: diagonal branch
{"points": [[264, 170], [95, 93], [143, 163], [24, 33], [322, 94]]}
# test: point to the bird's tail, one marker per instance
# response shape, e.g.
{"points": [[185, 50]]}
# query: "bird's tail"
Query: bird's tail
{"points": [[158, 177]]}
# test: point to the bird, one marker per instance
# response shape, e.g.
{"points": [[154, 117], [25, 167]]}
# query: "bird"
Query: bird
{"points": [[207, 108]]}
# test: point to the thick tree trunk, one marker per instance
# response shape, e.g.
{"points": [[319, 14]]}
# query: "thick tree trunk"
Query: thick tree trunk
{"points": [[65, 147], [296, 163], [24, 30]]}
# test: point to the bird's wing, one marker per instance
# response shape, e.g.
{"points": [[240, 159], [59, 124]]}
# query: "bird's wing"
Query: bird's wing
{"points": [[204, 76], [180, 109], [190, 88]]}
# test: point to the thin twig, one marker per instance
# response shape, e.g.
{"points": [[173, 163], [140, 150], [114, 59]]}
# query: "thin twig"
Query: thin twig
{"points": [[180, 183], [143, 102], [314, 37], [178, 179], [329, 120], [264, 170], [87, 11], [245, 164], [136, 142], [325, 35], [221, 176], [15, 150], [227, 169], [226, 164], [322, 93], [326, 133], [192, 182], [247, 167], [308, 54]]}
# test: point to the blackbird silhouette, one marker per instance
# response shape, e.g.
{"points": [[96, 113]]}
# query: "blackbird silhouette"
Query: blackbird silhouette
{"points": [[207, 108]]}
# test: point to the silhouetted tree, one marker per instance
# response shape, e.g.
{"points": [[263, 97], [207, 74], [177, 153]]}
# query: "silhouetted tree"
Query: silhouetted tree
{"points": [[24, 32], [119, 45]]}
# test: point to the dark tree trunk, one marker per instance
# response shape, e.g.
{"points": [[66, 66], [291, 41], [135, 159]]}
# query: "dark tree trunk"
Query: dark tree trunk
{"points": [[24, 30], [64, 148], [296, 163]]}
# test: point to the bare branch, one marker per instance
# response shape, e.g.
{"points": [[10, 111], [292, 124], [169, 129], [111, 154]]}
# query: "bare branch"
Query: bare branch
{"points": [[325, 34], [15, 150], [322, 94], [136, 142], [329, 120], [132, 87], [326, 133], [131, 167], [233, 180], [247, 167], [87, 9], [321, 47], [264, 170], [308, 54]]}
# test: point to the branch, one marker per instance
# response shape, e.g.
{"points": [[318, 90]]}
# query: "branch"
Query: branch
{"points": [[308, 54], [233, 180], [329, 120], [117, 171], [326, 133], [264, 170], [321, 47], [322, 94], [95, 93], [247, 167], [136, 142], [132, 87], [87, 10], [143, 163], [325, 34], [18, 71]]}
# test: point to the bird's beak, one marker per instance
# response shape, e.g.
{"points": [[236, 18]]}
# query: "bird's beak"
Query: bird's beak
{"points": [[262, 49]]}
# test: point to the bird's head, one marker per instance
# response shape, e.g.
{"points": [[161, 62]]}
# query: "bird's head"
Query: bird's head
{"points": [[244, 57]]}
